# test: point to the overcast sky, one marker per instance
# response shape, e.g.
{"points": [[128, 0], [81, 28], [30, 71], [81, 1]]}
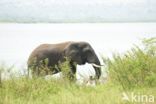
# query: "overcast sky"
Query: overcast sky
{"points": [[77, 10]]}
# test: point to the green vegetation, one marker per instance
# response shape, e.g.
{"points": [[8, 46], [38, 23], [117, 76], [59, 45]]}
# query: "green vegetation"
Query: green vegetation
{"points": [[135, 68], [132, 73]]}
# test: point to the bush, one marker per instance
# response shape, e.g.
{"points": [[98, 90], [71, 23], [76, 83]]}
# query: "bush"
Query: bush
{"points": [[136, 67], [66, 70], [43, 69]]}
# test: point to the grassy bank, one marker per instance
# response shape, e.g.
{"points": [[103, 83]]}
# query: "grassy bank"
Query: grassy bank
{"points": [[39, 91], [132, 80]]}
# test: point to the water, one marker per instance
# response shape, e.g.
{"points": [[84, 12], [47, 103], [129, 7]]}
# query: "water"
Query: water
{"points": [[18, 40]]}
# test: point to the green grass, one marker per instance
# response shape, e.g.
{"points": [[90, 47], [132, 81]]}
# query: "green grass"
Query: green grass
{"points": [[39, 91], [136, 67], [132, 72]]}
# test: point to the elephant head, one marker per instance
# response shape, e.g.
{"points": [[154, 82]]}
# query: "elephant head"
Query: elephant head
{"points": [[82, 52]]}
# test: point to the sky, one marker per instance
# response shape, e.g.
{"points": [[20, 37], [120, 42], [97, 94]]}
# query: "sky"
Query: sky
{"points": [[77, 11]]}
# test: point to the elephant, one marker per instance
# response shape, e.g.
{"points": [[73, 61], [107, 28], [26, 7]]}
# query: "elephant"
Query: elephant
{"points": [[78, 53]]}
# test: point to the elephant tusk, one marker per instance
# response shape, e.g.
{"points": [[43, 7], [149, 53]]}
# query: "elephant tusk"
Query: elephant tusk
{"points": [[95, 65]]}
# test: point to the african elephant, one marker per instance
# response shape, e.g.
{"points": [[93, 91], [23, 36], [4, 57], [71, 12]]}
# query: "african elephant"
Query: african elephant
{"points": [[78, 53]]}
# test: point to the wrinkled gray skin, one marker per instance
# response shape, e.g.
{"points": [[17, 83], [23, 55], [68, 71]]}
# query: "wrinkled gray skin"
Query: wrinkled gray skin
{"points": [[77, 52]]}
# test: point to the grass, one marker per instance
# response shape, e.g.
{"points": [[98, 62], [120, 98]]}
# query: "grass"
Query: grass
{"points": [[39, 91], [135, 68], [131, 73]]}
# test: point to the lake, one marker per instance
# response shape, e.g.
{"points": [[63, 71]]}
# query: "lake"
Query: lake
{"points": [[18, 40]]}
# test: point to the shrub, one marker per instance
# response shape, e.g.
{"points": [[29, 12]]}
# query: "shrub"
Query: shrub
{"points": [[43, 69], [66, 70], [136, 67]]}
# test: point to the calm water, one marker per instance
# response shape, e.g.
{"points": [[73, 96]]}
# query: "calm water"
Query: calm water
{"points": [[18, 40]]}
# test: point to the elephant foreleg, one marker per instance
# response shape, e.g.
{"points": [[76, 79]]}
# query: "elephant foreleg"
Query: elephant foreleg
{"points": [[72, 71]]}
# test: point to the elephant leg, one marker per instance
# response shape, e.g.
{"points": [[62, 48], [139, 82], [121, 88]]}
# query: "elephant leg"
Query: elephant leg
{"points": [[53, 69], [34, 71], [72, 71], [73, 68]]}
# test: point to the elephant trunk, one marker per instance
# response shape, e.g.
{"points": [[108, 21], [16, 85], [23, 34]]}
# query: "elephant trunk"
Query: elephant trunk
{"points": [[97, 72], [97, 67]]}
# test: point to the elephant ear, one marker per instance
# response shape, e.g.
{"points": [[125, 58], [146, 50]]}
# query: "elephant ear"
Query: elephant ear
{"points": [[68, 49]]}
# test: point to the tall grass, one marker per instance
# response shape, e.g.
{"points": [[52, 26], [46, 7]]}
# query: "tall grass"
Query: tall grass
{"points": [[44, 69], [136, 67], [39, 91]]}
